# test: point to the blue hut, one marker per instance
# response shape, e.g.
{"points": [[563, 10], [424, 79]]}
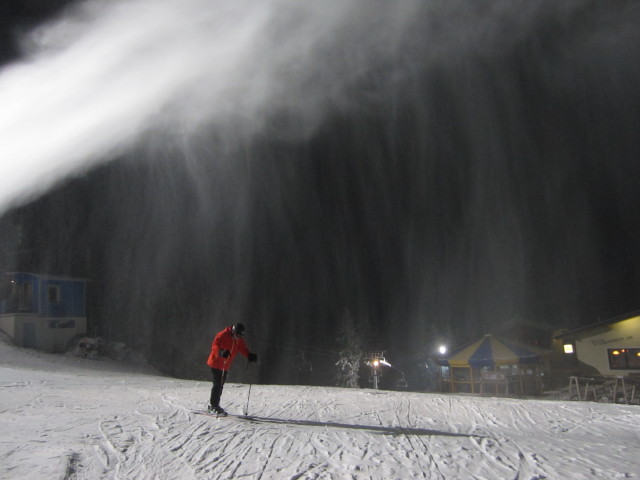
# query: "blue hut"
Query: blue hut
{"points": [[42, 311]]}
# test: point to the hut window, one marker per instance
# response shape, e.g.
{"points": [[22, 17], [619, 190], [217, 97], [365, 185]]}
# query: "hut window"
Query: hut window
{"points": [[62, 324], [54, 293], [25, 294], [5, 289], [624, 358]]}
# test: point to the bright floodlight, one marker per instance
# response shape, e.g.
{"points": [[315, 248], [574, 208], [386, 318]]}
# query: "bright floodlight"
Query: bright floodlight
{"points": [[442, 349], [568, 348]]}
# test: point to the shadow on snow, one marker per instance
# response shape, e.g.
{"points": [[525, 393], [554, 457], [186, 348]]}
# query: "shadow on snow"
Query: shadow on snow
{"points": [[392, 430]]}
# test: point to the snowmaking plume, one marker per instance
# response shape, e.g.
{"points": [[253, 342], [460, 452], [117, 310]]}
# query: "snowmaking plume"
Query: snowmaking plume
{"points": [[92, 83]]}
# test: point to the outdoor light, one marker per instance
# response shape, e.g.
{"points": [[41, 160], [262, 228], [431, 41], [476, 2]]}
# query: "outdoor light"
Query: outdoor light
{"points": [[568, 348], [615, 352], [375, 359], [442, 349]]}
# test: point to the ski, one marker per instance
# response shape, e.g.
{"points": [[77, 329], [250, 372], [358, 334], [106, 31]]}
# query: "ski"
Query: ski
{"points": [[215, 415]]}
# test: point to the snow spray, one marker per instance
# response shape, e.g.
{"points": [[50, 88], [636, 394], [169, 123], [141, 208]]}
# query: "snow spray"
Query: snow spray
{"points": [[95, 81]]}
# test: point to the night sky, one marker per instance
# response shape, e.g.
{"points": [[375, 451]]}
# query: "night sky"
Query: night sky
{"points": [[431, 173]]}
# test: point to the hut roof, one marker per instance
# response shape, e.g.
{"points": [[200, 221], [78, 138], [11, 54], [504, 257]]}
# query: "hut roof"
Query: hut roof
{"points": [[490, 351]]}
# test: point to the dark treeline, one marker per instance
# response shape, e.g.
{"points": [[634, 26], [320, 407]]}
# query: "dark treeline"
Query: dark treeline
{"points": [[457, 190]]}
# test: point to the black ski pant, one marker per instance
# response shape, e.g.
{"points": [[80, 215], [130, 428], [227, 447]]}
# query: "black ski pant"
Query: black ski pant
{"points": [[218, 377]]}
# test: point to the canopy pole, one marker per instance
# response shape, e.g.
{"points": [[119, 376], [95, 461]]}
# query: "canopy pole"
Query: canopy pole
{"points": [[451, 379]]}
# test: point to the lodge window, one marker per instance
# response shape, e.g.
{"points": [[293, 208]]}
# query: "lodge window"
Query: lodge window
{"points": [[624, 358], [633, 357]]}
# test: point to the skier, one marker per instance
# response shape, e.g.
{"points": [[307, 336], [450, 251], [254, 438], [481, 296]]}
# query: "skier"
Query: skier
{"points": [[224, 348]]}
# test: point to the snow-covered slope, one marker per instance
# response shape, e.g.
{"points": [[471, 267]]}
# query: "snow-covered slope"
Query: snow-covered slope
{"points": [[67, 418]]}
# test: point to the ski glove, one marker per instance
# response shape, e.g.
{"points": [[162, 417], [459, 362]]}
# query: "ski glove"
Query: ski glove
{"points": [[225, 353], [253, 357]]}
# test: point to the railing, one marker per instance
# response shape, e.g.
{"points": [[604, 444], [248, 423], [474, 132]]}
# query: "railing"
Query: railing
{"points": [[621, 389], [492, 383]]}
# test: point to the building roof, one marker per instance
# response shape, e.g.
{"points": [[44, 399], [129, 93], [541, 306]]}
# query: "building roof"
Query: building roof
{"points": [[48, 276], [601, 323]]}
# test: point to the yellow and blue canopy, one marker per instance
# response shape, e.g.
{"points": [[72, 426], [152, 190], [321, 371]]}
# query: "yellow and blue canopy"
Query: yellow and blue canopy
{"points": [[490, 351]]}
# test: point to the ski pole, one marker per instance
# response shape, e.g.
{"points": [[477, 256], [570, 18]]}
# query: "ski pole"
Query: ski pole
{"points": [[246, 407]]}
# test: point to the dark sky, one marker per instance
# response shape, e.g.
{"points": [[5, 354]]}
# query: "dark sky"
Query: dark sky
{"points": [[469, 179], [19, 16]]}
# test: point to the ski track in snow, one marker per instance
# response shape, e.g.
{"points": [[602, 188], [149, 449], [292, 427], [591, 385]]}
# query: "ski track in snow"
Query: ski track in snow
{"points": [[78, 422]]}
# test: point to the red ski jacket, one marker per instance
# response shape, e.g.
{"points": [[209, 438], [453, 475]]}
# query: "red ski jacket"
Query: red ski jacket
{"points": [[226, 341]]}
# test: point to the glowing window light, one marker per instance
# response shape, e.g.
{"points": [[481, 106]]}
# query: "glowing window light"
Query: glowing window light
{"points": [[615, 352], [568, 348]]}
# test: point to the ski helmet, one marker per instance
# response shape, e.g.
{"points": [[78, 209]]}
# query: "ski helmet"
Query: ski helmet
{"points": [[238, 329]]}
